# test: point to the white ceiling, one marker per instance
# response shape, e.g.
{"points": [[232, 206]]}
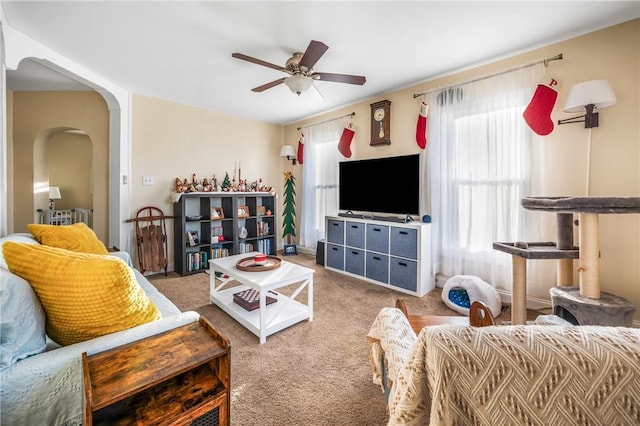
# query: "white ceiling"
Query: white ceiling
{"points": [[181, 51]]}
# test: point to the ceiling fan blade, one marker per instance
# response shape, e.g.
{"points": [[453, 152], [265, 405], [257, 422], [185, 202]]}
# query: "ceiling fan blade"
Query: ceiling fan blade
{"points": [[314, 51], [269, 85], [339, 78], [258, 61]]}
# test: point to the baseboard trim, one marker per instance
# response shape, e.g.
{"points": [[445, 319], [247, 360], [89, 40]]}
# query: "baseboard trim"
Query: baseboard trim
{"points": [[533, 303]]}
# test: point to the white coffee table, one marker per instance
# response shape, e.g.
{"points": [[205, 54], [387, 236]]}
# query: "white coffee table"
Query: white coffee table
{"points": [[268, 319]]}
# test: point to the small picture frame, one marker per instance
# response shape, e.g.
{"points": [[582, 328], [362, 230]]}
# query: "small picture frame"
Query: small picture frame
{"points": [[261, 210], [289, 249], [243, 211], [217, 213], [193, 238]]}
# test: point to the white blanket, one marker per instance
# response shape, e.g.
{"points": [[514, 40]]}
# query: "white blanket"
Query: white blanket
{"points": [[507, 375]]}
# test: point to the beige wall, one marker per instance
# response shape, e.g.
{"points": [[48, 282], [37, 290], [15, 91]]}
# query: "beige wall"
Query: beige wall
{"points": [[612, 54], [172, 141], [38, 118], [69, 161]]}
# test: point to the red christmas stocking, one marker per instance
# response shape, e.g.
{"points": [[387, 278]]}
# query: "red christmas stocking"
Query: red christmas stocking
{"points": [[538, 112], [421, 126], [300, 154], [344, 146]]}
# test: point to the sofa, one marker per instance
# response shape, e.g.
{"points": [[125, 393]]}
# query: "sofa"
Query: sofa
{"points": [[41, 381], [531, 374]]}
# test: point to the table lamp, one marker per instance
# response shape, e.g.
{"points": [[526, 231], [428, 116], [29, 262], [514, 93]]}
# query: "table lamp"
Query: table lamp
{"points": [[54, 194]]}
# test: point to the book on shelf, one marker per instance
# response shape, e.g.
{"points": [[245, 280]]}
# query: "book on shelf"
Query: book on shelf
{"points": [[250, 299], [197, 260], [204, 260], [264, 246], [262, 229], [246, 248], [217, 252]]}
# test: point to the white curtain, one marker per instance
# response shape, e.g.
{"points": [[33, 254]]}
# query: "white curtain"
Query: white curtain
{"points": [[320, 180], [480, 161]]}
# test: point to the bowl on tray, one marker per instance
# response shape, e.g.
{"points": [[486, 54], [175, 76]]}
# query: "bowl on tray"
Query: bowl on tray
{"points": [[260, 259]]}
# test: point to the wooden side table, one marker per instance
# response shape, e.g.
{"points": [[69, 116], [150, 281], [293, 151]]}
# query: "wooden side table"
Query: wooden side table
{"points": [[173, 378]]}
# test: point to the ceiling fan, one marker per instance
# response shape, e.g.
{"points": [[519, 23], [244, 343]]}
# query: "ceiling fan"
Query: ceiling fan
{"points": [[300, 70]]}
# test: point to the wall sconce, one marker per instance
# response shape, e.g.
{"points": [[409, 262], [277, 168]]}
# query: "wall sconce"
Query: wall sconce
{"points": [[54, 194], [289, 152], [588, 96]]}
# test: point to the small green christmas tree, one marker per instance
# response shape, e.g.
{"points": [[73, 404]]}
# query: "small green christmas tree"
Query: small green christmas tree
{"points": [[226, 183], [289, 213]]}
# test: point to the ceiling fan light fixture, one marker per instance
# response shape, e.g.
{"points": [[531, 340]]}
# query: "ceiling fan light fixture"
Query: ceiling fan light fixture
{"points": [[298, 83]]}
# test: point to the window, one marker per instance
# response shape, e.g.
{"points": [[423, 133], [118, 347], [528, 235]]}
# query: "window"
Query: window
{"points": [[320, 181], [488, 179], [478, 171]]}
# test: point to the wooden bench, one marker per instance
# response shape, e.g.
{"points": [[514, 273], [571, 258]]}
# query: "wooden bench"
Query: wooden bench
{"points": [[479, 316]]}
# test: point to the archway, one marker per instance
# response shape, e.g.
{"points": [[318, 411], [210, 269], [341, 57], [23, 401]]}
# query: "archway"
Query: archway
{"points": [[63, 159], [17, 47]]}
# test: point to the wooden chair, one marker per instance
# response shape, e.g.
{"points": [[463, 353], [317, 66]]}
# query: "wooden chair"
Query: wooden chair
{"points": [[479, 316]]}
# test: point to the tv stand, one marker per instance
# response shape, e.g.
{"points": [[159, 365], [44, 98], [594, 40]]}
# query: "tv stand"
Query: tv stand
{"points": [[387, 251]]}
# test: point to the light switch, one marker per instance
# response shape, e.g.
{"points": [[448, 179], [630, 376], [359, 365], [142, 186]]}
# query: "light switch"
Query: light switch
{"points": [[147, 180]]}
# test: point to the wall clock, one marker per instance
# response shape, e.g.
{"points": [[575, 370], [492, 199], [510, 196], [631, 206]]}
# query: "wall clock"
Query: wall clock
{"points": [[381, 123]]}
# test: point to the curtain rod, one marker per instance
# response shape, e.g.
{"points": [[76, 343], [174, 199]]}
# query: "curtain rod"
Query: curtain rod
{"points": [[543, 61], [326, 121]]}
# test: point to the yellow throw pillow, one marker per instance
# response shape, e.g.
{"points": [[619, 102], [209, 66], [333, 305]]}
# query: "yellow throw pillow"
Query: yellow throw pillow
{"points": [[84, 295], [77, 237]]}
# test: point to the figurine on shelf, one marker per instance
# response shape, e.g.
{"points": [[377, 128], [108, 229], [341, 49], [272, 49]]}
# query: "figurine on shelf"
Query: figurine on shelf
{"points": [[214, 184], [254, 186], [179, 185]]}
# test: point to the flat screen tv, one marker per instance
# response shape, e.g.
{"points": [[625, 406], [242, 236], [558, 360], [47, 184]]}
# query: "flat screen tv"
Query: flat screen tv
{"points": [[381, 185]]}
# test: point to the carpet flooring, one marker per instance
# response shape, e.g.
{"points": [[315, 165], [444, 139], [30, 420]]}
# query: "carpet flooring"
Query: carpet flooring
{"points": [[312, 373]]}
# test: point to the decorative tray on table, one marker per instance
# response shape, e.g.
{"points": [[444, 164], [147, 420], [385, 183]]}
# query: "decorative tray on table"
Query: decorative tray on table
{"points": [[250, 264]]}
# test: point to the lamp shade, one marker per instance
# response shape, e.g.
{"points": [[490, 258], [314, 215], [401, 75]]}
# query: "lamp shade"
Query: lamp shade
{"points": [[596, 92], [298, 83], [287, 151], [54, 193]]}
